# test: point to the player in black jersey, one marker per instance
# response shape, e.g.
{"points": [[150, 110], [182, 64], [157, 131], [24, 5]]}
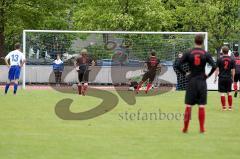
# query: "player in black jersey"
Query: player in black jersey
{"points": [[225, 71], [196, 91], [152, 65], [82, 64], [237, 73]]}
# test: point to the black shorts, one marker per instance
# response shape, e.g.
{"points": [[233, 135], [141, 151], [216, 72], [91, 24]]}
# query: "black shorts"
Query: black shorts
{"points": [[237, 77], [196, 91], [149, 75], [224, 85], [83, 76]]}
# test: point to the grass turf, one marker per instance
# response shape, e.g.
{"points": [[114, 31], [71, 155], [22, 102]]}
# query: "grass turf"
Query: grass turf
{"points": [[29, 128]]}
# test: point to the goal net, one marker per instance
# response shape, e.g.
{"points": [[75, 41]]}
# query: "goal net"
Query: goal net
{"points": [[106, 48]]}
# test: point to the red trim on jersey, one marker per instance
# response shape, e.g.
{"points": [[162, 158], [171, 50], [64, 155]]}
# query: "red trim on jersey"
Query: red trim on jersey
{"points": [[198, 52], [227, 58]]}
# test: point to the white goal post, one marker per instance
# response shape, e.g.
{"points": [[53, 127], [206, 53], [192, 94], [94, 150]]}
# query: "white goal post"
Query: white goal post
{"points": [[101, 32]]}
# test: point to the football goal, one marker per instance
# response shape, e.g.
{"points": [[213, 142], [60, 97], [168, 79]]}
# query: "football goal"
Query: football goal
{"points": [[107, 48]]}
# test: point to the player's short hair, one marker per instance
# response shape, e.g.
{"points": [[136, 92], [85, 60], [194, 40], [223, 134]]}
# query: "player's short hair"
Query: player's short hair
{"points": [[199, 39], [225, 49], [153, 53], [17, 46]]}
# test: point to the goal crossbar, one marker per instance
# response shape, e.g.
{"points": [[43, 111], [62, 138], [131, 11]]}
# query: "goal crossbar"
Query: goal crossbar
{"points": [[114, 32]]}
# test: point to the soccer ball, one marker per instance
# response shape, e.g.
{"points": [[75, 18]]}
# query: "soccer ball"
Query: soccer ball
{"points": [[131, 89]]}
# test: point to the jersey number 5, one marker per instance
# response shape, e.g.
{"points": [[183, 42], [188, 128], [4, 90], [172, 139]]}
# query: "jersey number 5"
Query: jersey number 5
{"points": [[197, 60]]}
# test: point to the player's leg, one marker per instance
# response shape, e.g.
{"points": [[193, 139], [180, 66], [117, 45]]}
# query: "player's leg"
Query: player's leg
{"points": [[187, 117], [56, 79], [223, 101], [202, 101], [15, 87], [201, 118], [7, 86], [16, 79], [139, 86], [149, 86], [190, 97], [85, 84], [145, 77], [235, 87], [84, 88], [151, 79], [237, 83], [229, 101], [222, 90], [57, 74], [11, 73], [59, 78], [80, 79], [228, 89]]}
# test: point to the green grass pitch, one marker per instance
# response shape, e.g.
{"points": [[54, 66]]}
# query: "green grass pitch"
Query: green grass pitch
{"points": [[30, 129]]}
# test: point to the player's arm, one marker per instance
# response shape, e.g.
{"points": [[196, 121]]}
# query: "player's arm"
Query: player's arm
{"points": [[233, 69], [211, 62], [6, 60], [23, 61], [217, 71], [182, 61], [216, 74], [76, 65]]}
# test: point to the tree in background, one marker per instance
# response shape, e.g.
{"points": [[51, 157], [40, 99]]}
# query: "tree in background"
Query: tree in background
{"points": [[137, 15], [220, 18], [17, 15]]}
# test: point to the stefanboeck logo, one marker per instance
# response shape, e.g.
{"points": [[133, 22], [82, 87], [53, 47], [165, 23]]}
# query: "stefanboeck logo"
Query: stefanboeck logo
{"points": [[109, 99]]}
